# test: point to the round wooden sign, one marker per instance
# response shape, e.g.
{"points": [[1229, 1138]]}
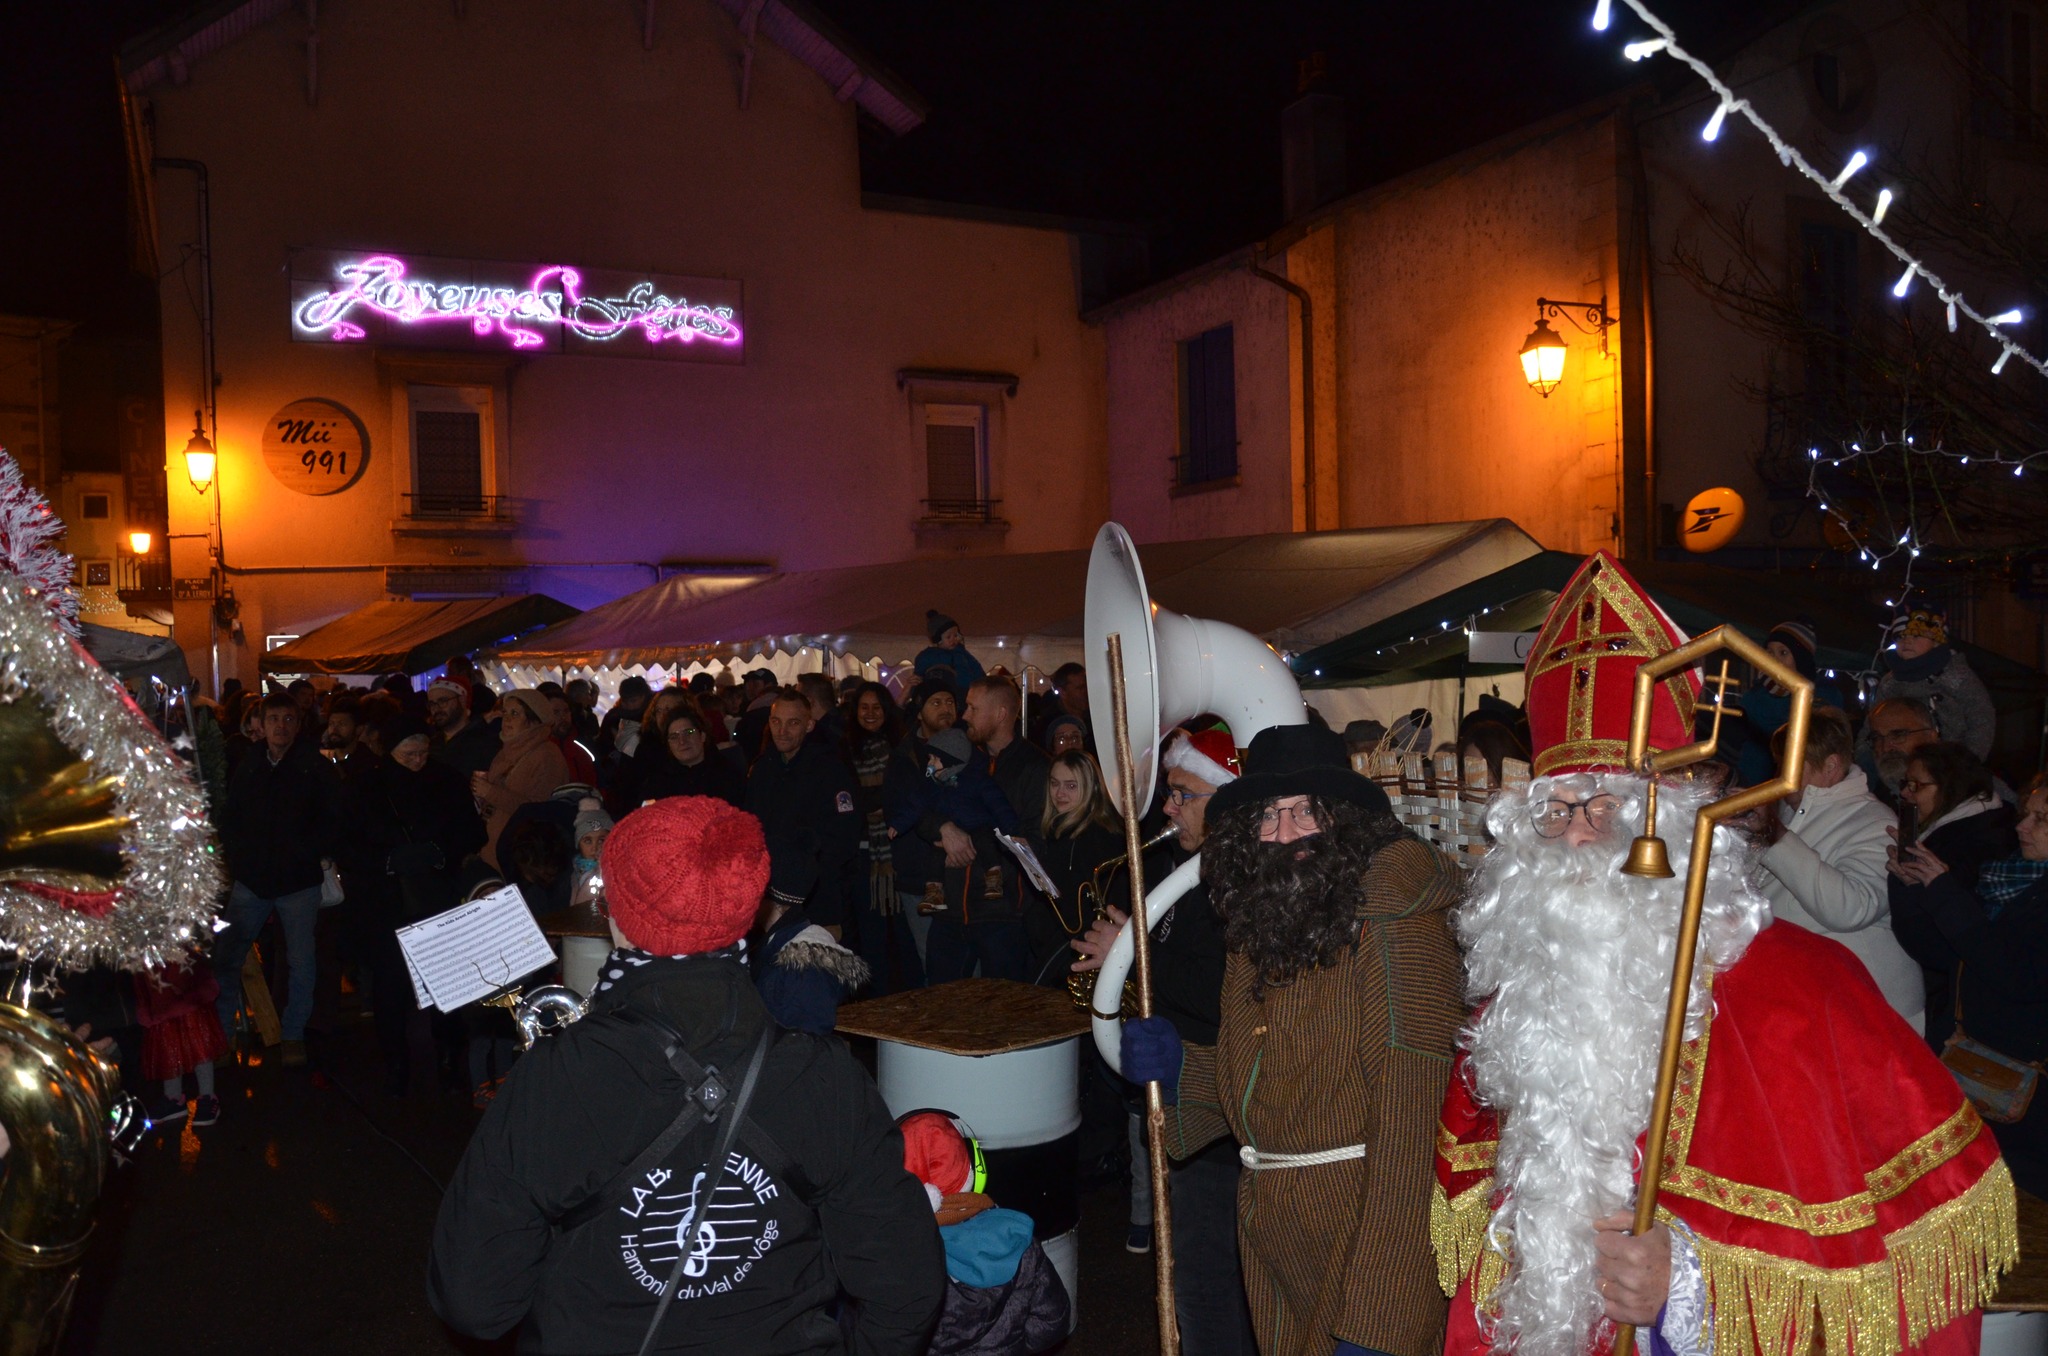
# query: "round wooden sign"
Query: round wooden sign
{"points": [[315, 446]]}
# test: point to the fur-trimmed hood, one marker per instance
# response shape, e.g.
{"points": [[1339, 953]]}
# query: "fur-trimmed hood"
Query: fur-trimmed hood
{"points": [[813, 948]]}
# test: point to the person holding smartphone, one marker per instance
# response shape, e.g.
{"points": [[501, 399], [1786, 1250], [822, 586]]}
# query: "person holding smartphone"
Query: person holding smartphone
{"points": [[1948, 813]]}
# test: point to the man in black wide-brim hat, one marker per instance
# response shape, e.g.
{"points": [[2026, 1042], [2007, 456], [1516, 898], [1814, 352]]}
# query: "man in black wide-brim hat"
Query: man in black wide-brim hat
{"points": [[1341, 1005]]}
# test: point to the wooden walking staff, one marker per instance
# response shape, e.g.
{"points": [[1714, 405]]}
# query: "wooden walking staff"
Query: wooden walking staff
{"points": [[1141, 946], [1647, 857]]}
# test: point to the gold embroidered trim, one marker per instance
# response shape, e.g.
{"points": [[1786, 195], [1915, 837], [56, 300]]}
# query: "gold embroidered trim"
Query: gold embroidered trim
{"points": [[1642, 637], [1457, 1230], [1830, 1218], [1473, 1156], [1599, 753], [1845, 1216], [1685, 1096], [1925, 1154], [1937, 1268]]}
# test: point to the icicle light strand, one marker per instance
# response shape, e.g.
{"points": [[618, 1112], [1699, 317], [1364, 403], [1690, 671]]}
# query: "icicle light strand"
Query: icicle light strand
{"points": [[1666, 42]]}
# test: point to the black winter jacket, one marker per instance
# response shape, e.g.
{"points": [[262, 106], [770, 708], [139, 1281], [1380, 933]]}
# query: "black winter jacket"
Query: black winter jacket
{"points": [[811, 793], [472, 748], [914, 855], [1963, 845], [782, 1245], [1025, 1316], [281, 820]]}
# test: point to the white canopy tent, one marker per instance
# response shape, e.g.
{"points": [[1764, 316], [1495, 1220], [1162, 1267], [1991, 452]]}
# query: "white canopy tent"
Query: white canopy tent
{"points": [[1022, 612]]}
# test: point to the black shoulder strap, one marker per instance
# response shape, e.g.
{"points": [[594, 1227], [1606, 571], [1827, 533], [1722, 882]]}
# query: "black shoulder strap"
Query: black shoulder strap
{"points": [[713, 1171], [707, 1093]]}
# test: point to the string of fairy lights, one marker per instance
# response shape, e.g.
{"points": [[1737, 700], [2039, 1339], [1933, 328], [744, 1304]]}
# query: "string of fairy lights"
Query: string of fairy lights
{"points": [[1909, 542], [1905, 541], [1872, 221]]}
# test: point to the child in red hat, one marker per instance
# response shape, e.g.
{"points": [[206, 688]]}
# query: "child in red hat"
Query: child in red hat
{"points": [[1003, 1297]]}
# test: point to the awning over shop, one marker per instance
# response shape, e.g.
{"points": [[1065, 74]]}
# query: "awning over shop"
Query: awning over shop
{"points": [[410, 636], [1295, 589], [130, 654]]}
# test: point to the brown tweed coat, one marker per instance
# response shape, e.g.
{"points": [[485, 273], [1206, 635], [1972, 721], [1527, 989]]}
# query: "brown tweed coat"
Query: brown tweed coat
{"points": [[1357, 1053]]}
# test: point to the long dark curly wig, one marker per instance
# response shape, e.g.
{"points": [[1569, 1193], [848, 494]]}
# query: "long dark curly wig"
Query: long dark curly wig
{"points": [[1291, 908]]}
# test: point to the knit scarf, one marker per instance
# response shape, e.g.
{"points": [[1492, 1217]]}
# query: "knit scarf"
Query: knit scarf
{"points": [[2000, 883], [870, 766], [1921, 669], [625, 959]]}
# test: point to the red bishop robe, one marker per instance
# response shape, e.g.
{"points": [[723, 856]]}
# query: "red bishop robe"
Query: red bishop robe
{"points": [[1845, 1197]]}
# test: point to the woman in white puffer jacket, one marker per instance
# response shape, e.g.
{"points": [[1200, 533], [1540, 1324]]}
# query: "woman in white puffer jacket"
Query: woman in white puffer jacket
{"points": [[1825, 866]]}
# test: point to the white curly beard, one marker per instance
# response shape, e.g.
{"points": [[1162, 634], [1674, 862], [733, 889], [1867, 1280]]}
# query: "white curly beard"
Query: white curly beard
{"points": [[1572, 961]]}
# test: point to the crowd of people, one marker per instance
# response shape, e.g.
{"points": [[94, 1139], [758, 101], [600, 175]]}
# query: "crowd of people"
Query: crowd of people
{"points": [[347, 813], [1380, 1067]]}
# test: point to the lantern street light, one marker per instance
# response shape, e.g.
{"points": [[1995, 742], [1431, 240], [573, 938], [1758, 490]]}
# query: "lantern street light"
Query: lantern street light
{"points": [[1543, 358], [199, 455], [1543, 351], [138, 542]]}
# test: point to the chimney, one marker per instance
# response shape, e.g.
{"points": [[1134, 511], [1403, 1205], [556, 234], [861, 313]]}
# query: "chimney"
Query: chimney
{"points": [[1311, 143]]}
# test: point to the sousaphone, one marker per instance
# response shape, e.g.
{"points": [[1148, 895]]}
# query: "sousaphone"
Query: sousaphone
{"points": [[1175, 667]]}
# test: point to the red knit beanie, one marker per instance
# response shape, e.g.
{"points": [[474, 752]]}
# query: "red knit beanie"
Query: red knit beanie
{"points": [[935, 1153], [685, 874]]}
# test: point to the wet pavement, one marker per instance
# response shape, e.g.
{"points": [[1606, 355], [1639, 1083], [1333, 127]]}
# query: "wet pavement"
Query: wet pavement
{"points": [[299, 1224]]}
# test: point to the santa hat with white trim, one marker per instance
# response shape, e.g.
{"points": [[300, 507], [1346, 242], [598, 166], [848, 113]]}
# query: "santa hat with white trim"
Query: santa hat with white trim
{"points": [[1208, 754]]}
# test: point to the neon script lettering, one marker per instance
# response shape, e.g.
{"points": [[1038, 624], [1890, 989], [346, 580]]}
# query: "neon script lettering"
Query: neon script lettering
{"points": [[379, 286]]}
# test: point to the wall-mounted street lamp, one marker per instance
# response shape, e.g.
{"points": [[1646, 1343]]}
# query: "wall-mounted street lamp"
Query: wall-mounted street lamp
{"points": [[199, 455], [1543, 351], [138, 542]]}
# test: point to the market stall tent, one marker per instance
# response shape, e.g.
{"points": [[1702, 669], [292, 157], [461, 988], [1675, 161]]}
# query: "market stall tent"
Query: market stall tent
{"points": [[1296, 590], [413, 636]]}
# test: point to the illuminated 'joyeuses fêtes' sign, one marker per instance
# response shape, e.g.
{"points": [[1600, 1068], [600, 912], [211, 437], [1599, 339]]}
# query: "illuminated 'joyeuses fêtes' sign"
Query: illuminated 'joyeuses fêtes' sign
{"points": [[383, 299]]}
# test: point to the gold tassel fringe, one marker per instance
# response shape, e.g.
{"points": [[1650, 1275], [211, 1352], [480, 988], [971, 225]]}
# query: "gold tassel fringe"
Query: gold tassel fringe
{"points": [[1938, 1268], [1457, 1230]]}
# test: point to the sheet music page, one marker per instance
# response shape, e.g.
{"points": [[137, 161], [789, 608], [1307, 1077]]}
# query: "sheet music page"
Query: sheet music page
{"points": [[1028, 859], [474, 949], [419, 983]]}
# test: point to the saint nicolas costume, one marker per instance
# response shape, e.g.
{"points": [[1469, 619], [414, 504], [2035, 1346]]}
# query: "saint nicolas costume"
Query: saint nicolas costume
{"points": [[1840, 1192]]}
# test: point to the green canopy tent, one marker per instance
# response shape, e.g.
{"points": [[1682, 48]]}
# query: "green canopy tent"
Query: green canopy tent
{"points": [[1430, 641]]}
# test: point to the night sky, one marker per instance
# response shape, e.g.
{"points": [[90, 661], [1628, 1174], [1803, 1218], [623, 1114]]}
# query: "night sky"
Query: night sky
{"points": [[1161, 114]]}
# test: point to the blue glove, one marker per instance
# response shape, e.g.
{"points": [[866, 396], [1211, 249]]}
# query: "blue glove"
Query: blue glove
{"points": [[1151, 1053], [1345, 1348]]}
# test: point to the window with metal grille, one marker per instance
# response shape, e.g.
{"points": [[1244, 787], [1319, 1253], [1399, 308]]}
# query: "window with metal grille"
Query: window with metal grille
{"points": [[449, 437], [95, 506], [955, 461], [1208, 409]]}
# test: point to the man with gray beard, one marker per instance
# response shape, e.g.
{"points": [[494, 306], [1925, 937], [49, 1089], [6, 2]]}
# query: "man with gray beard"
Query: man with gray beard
{"points": [[1826, 1185]]}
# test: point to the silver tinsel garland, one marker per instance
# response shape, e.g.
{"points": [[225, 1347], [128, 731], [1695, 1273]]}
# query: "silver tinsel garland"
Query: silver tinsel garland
{"points": [[172, 878]]}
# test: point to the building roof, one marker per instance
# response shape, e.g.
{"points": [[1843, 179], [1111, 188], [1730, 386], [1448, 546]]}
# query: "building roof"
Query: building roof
{"points": [[794, 25]]}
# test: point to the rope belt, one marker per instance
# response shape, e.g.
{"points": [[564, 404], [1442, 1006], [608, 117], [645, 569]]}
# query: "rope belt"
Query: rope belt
{"points": [[1258, 1162]]}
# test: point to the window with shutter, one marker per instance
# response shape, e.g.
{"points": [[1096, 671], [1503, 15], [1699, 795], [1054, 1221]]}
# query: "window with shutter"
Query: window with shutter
{"points": [[449, 439], [1208, 409], [956, 461]]}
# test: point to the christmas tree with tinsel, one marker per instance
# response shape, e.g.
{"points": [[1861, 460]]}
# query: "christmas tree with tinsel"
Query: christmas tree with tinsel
{"points": [[29, 529]]}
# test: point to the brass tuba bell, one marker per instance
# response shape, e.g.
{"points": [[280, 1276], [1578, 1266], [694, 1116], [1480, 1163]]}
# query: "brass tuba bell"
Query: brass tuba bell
{"points": [[62, 1099]]}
